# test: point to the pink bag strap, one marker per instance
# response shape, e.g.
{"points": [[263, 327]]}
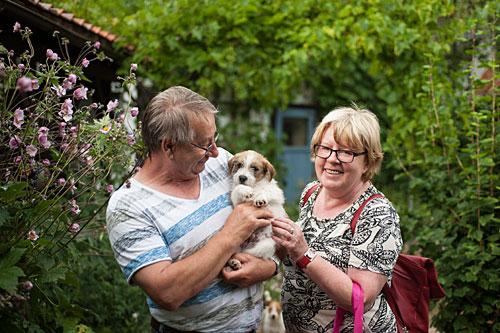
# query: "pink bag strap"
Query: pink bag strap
{"points": [[357, 309]]}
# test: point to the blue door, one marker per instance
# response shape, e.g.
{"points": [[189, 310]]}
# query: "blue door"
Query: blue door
{"points": [[294, 127]]}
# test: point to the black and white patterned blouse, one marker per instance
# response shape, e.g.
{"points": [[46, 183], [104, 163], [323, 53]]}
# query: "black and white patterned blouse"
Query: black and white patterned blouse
{"points": [[375, 247]]}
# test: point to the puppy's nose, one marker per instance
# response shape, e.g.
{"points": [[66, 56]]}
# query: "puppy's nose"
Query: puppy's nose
{"points": [[243, 179]]}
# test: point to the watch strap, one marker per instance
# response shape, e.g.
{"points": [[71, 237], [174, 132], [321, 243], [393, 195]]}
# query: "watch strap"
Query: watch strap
{"points": [[277, 261], [306, 259]]}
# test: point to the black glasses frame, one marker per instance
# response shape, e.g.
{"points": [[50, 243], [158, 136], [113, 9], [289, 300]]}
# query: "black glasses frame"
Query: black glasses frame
{"points": [[210, 146], [354, 154]]}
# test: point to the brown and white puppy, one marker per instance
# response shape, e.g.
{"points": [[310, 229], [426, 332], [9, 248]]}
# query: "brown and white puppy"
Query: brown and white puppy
{"points": [[252, 179], [272, 318]]}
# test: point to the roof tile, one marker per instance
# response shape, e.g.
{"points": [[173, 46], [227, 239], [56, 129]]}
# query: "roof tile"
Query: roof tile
{"points": [[71, 17]]}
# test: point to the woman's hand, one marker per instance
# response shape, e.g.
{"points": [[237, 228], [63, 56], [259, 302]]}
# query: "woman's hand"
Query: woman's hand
{"points": [[288, 234]]}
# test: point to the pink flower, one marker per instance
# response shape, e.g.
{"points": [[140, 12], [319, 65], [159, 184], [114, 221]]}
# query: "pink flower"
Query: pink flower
{"points": [[31, 150], [32, 235], [18, 117], [24, 84], [43, 130], [133, 67], [72, 78], [73, 187], [94, 105], [17, 27], [134, 111], [27, 285], [110, 188], [85, 149], [60, 91], [43, 141], [112, 105], [75, 227], [34, 84], [18, 160], [130, 140], [46, 162], [61, 181], [85, 63], [15, 142], [21, 67], [74, 131], [106, 128], [67, 110], [97, 45], [2, 70], [62, 126], [75, 210], [51, 55], [67, 84], [122, 117], [80, 93]]}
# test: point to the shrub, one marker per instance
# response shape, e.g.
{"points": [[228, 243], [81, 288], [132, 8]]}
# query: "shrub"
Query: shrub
{"points": [[56, 159], [452, 165]]}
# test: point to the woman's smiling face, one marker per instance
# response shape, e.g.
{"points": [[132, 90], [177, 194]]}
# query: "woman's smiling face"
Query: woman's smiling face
{"points": [[335, 175]]}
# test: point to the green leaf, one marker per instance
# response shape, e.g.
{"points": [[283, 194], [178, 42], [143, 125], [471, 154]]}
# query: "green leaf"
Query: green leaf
{"points": [[9, 278], [52, 275], [4, 215], [11, 258]]}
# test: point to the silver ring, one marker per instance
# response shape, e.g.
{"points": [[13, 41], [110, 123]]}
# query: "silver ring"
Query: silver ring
{"points": [[291, 231]]}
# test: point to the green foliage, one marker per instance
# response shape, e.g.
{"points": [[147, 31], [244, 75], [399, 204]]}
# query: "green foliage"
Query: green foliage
{"points": [[55, 165], [452, 164], [115, 306], [410, 62]]}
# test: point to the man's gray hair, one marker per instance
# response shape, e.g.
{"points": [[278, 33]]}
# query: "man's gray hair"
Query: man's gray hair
{"points": [[168, 115]]}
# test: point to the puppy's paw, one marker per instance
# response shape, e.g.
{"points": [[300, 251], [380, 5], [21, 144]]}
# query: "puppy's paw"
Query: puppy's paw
{"points": [[234, 264], [242, 193], [260, 202]]}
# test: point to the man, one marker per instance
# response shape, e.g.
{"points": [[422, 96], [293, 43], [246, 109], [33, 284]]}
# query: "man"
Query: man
{"points": [[172, 227]]}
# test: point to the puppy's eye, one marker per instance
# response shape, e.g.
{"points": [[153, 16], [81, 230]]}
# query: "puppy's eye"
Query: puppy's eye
{"points": [[255, 169], [238, 165]]}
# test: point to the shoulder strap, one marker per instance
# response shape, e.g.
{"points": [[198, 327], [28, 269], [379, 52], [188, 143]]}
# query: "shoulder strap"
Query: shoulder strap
{"points": [[387, 290], [308, 194], [360, 209]]}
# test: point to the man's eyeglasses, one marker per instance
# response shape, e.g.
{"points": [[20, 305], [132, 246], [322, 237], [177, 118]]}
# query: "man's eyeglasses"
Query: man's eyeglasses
{"points": [[209, 147], [344, 156]]}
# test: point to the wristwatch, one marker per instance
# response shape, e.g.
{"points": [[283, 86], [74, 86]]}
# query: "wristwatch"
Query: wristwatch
{"points": [[277, 261], [306, 259]]}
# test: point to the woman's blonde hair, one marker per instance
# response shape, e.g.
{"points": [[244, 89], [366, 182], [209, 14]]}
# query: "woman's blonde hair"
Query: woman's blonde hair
{"points": [[357, 129]]}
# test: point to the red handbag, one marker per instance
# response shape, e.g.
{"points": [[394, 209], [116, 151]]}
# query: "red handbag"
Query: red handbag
{"points": [[414, 283]]}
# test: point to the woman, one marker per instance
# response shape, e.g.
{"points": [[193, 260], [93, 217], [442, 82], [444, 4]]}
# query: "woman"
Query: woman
{"points": [[324, 258]]}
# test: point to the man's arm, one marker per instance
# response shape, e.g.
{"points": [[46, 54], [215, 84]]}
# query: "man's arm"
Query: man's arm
{"points": [[171, 284]]}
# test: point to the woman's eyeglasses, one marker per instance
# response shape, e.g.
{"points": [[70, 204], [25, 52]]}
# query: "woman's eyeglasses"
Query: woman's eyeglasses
{"points": [[344, 156]]}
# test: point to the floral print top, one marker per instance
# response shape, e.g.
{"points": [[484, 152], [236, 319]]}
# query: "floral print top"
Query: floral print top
{"points": [[374, 246]]}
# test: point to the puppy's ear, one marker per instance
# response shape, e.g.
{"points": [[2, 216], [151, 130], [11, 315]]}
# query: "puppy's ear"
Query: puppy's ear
{"points": [[230, 164], [266, 303], [270, 172]]}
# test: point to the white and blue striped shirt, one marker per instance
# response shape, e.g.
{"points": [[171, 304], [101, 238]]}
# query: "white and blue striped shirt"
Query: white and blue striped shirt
{"points": [[146, 226]]}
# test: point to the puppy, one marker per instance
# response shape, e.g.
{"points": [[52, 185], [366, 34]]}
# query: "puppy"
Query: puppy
{"points": [[272, 318], [252, 179]]}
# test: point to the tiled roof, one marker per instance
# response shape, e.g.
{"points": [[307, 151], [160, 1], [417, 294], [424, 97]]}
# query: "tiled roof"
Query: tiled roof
{"points": [[71, 18]]}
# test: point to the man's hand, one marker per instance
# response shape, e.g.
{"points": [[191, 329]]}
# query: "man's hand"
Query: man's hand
{"points": [[253, 270]]}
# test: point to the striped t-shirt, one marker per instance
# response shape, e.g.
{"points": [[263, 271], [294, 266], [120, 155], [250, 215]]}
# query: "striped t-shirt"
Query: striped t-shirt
{"points": [[146, 226]]}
